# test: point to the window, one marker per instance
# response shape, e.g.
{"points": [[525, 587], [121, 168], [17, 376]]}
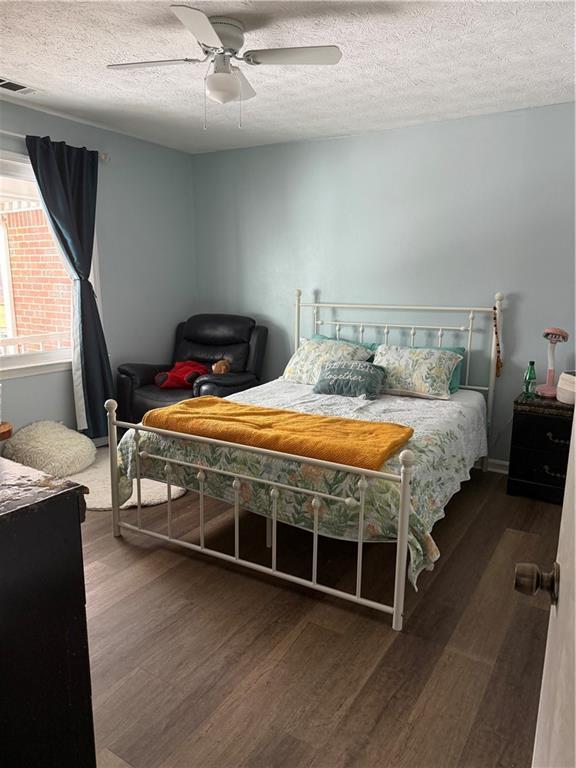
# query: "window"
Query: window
{"points": [[35, 285]]}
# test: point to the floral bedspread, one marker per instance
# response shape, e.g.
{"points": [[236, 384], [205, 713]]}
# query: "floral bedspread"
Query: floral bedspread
{"points": [[449, 436]]}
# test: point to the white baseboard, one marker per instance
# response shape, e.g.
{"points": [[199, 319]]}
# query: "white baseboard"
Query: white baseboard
{"points": [[493, 465], [99, 442], [498, 465]]}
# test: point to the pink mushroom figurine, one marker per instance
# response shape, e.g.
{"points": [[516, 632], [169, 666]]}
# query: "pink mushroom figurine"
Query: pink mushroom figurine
{"points": [[554, 335]]}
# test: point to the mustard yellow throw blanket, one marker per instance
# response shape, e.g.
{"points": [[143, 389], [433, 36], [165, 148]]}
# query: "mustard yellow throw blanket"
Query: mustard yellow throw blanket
{"points": [[364, 444]]}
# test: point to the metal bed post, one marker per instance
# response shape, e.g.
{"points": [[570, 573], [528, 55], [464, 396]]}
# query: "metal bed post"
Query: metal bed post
{"points": [[201, 477], [168, 473], [268, 532], [362, 486], [236, 485], [111, 406], [315, 510], [138, 477], [297, 319], [407, 461], [272, 529]]}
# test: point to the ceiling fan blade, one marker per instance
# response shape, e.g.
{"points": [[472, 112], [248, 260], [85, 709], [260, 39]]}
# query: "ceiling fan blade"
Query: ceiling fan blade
{"points": [[246, 90], [160, 63], [199, 24], [314, 54]]}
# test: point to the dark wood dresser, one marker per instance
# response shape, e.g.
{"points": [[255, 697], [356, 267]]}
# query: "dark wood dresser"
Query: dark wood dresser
{"points": [[540, 446], [45, 694]]}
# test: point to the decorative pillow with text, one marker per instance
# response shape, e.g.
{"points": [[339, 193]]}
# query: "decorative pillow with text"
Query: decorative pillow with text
{"points": [[352, 378]]}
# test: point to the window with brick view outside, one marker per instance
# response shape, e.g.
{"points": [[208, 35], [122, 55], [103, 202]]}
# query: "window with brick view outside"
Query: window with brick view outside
{"points": [[35, 287]]}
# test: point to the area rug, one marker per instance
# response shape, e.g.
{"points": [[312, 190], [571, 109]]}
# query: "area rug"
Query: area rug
{"points": [[97, 479]]}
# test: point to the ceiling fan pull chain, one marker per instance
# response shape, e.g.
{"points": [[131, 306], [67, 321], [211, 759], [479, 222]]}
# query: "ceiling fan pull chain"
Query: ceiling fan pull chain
{"points": [[240, 112]]}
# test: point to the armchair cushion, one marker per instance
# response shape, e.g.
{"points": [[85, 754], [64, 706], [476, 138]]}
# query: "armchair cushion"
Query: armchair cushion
{"points": [[150, 396], [142, 373], [223, 384]]}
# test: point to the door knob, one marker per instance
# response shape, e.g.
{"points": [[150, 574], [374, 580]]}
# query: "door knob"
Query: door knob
{"points": [[529, 579]]}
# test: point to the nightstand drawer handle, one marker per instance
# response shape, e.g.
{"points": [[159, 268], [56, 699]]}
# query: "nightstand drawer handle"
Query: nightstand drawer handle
{"points": [[553, 439], [553, 474]]}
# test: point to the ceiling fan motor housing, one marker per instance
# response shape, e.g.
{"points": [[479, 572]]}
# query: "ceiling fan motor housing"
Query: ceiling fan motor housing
{"points": [[230, 32]]}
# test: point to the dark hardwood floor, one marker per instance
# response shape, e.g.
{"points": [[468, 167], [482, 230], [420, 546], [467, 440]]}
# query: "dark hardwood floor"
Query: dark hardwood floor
{"points": [[199, 665]]}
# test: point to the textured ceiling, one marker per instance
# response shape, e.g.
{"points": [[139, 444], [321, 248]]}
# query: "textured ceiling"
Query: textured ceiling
{"points": [[402, 63]]}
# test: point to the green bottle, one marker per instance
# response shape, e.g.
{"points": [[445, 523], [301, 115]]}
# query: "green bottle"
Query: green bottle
{"points": [[530, 379]]}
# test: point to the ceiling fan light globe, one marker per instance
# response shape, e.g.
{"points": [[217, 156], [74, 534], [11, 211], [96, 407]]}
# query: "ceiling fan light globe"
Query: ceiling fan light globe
{"points": [[223, 87]]}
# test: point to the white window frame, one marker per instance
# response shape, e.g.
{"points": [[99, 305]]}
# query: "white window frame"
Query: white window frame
{"points": [[6, 275], [35, 363]]}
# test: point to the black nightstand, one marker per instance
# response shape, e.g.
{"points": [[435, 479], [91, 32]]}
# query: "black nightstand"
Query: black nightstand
{"points": [[540, 445]]}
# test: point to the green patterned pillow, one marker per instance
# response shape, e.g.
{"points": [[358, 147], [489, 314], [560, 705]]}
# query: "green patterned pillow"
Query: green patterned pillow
{"points": [[372, 346], [305, 364], [352, 378], [457, 373], [417, 372]]}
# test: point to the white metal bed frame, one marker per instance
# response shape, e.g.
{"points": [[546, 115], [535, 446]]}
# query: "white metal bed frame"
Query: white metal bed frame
{"points": [[403, 479]]}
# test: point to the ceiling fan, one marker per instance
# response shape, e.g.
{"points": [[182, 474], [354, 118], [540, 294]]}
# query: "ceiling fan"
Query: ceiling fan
{"points": [[221, 39]]}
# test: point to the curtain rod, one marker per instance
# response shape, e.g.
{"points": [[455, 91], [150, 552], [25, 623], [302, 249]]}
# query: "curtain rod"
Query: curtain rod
{"points": [[104, 156]]}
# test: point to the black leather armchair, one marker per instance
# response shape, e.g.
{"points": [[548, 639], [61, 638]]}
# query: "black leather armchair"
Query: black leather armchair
{"points": [[205, 338]]}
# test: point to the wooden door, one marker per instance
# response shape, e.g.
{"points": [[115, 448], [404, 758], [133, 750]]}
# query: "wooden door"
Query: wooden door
{"points": [[554, 745]]}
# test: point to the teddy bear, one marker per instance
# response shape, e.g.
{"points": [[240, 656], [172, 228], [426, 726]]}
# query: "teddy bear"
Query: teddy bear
{"points": [[221, 366]]}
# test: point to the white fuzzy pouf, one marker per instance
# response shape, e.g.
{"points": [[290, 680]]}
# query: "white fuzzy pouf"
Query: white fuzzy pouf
{"points": [[50, 447]]}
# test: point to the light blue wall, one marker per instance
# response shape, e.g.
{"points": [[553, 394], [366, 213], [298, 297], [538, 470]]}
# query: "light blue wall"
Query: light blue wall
{"points": [[444, 213], [145, 246], [441, 213]]}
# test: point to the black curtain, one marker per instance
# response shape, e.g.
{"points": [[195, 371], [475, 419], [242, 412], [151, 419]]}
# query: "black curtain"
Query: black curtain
{"points": [[68, 180]]}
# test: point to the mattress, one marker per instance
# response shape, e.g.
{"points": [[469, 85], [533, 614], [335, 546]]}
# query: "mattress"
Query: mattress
{"points": [[449, 436]]}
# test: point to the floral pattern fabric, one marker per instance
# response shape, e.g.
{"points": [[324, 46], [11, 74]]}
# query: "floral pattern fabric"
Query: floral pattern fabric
{"points": [[306, 363], [449, 436], [417, 371]]}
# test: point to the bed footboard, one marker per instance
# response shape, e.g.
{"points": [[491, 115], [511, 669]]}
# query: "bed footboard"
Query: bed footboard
{"points": [[358, 502]]}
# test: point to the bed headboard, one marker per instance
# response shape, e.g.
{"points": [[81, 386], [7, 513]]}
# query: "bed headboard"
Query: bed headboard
{"points": [[477, 329]]}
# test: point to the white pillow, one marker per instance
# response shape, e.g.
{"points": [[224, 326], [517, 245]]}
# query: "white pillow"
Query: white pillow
{"points": [[305, 364], [416, 371]]}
